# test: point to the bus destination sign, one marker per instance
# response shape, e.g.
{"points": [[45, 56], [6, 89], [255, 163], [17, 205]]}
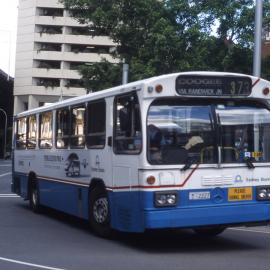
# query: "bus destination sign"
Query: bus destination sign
{"points": [[198, 85]]}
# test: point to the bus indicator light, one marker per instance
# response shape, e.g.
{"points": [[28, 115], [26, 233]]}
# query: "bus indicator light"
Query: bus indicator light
{"points": [[151, 180], [266, 91], [159, 88]]}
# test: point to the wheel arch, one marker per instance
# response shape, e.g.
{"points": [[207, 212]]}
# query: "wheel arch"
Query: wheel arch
{"points": [[96, 182]]}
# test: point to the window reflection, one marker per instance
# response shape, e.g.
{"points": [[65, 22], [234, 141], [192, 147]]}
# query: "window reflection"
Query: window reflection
{"points": [[127, 125], [46, 130], [245, 133], [32, 132], [21, 133], [62, 128], [176, 133], [78, 126]]}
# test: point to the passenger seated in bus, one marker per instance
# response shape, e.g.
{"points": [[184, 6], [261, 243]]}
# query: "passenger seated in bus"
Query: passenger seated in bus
{"points": [[179, 152], [193, 141]]}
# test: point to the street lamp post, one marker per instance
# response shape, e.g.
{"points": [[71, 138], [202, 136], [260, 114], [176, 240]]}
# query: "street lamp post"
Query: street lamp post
{"points": [[258, 39], [5, 133], [125, 73]]}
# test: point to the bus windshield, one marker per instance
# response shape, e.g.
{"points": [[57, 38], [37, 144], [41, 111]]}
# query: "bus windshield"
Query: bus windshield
{"points": [[178, 132]]}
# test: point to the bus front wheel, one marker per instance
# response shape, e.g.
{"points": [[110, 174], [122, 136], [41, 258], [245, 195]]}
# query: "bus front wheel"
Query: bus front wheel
{"points": [[99, 212]]}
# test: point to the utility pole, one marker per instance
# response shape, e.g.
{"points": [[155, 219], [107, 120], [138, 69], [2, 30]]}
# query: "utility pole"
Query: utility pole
{"points": [[258, 39]]}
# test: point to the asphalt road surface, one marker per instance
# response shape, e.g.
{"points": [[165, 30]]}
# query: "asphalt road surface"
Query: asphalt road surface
{"points": [[57, 241]]}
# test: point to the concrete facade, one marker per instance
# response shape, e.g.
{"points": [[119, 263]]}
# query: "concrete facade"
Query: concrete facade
{"points": [[50, 47]]}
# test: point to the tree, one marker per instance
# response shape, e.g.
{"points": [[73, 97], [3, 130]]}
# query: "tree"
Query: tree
{"points": [[149, 37], [156, 37]]}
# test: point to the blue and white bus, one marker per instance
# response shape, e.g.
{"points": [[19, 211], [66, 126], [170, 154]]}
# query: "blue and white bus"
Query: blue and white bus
{"points": [[184, 150]]}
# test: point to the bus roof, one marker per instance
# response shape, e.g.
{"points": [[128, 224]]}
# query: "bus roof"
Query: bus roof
{"points": [[127, 88]]}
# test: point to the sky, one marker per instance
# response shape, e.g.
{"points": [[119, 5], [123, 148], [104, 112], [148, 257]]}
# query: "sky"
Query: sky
{"points": [[8, 32]]}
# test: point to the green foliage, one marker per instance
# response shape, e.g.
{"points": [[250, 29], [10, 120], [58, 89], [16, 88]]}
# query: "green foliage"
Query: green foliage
{"points": [[101, 75], [234, 19], [156, 37]]}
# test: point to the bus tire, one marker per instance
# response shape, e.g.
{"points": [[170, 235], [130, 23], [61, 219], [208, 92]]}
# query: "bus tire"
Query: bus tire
{"points": [[34, 200], [210, 231], [99, 212]]}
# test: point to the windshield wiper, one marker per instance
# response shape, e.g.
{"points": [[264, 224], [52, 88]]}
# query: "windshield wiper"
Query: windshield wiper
{"points": [[189, 162], [248, 161]]}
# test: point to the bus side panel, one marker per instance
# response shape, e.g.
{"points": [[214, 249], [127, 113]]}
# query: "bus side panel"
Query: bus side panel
{"points": [[126, 211], [68, 198]]}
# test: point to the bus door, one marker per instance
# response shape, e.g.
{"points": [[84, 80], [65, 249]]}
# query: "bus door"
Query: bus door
{"points": [[127, 145]]}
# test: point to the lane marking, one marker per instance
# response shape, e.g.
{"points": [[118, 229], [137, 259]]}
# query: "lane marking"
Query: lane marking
{"points": [[9, 195], [5, 165], [5, 174], [30, 264], [249, 230]]}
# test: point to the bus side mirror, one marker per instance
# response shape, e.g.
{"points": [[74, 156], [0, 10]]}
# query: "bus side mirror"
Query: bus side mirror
{"points": [[110, 141]]}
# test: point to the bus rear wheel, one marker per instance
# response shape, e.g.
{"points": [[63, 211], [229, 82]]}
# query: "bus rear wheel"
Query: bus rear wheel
{"points": [[34, 198], [210, 231], [99, 212]]}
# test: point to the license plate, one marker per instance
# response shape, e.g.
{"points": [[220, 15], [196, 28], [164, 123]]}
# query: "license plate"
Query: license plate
{"points": [[203, 195], [240, 194]]}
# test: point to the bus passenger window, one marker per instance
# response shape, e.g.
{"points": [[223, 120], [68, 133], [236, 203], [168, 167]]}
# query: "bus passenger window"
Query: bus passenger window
{"points": [[127, 125], [21, 133], [32, 132], [45, 130], [62, 128], [77, 127], [96, 129]]}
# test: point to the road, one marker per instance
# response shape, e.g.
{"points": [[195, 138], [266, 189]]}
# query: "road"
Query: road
{"points": [[57, 241]]}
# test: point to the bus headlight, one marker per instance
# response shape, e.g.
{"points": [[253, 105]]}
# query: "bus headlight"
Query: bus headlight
{"points": [[165, 198], [263, 193]]}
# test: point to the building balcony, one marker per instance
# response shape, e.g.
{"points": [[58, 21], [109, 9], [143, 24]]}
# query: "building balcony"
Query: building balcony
{"points": [[73, 57], [55, 73], [50, 91], [58, 91], [49, 3], [73, 39], [60, 21]]}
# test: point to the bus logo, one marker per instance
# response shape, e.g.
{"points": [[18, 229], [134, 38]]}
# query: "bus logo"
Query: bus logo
{"points": [[238, 179]]}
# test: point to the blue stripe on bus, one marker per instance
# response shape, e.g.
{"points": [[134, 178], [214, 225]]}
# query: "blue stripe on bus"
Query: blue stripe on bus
{"points": [[134, 211], [70, 199]]}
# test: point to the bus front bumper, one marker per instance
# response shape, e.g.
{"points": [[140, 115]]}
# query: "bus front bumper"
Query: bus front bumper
{"points": [[207, 216]]}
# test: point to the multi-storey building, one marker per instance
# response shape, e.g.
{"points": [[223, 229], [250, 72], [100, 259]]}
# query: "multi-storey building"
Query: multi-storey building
{"points": [[51, 45]]}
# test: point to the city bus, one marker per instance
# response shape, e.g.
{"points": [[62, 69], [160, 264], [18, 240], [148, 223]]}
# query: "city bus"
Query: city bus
{"points": [[184, 150]]}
